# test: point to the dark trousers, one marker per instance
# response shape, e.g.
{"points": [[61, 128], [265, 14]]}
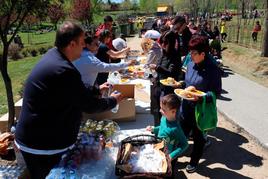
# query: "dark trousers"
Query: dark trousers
{"points": [[39, 166], [223, 37], [254, 36], [155, 103], [198, 138]]}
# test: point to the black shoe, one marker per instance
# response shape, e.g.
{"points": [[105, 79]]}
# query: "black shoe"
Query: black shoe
{"points": [[191, 168]]}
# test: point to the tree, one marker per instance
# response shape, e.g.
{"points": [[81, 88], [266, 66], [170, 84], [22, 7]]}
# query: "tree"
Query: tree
{"points": [[148, 6], [29, 21], [96, 7], [135, 5], [265, 42], [12, 15], [81, 11], [126, 5], [56, 13]]}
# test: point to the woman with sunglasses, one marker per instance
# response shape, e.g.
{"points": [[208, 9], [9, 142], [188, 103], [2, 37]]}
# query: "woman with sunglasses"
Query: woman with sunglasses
{"points": [[204, 75]]}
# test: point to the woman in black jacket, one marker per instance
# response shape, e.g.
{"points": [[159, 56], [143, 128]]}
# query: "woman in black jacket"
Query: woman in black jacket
{"points": [[168, 66]]}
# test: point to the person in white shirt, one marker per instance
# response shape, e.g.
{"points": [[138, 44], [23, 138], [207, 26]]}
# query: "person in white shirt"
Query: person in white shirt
{"points": [[89, 65]]}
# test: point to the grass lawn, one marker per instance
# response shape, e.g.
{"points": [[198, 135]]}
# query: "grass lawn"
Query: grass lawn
{"points": [[37, 39], [246, 28], [18, 72]]}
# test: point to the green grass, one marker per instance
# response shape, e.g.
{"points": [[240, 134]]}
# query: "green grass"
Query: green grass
{"points": [[245, 38], [37, 39], [18, 72]]}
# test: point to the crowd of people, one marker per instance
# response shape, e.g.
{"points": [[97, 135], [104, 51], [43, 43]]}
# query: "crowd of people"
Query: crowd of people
{"points": [[71, 78], [181, 41]]}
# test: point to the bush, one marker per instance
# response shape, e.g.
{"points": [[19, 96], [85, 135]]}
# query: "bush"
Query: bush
{"points": [[25, 52], [14, 51], [34, 52], [42, 50]]}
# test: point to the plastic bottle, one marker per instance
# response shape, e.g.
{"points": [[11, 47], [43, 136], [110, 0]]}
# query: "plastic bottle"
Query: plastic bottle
{"points": [[147, 73], [115, 109], [73, 174], [55, 173]]}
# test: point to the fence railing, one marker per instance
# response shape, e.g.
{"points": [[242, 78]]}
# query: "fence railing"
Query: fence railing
{"points": [[242, 34]]}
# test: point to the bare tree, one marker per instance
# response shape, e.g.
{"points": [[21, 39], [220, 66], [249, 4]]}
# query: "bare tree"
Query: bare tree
{"points": [[265, 42]]}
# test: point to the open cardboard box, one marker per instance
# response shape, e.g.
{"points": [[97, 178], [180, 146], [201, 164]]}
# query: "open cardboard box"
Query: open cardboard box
{"points": [[126, 111]]}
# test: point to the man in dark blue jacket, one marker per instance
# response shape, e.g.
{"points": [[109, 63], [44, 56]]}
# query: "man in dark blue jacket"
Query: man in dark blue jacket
{"points": [[54, 98]]}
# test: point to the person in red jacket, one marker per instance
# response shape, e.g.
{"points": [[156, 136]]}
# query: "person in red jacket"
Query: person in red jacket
{"points": [[107, 25], [256, 29]]}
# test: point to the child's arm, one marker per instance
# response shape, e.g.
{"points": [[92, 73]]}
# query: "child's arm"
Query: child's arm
{"points": [[178, 134], [156, 130]]}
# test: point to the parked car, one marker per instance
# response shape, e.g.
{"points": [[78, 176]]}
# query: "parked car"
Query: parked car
{"points": [[148, 23]]}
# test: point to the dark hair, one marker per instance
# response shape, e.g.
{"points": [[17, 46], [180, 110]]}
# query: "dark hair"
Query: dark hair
{"points": [[104, 34], [171, 101], [199, 43], [164, 29], [178, 19], [108, 19], [169, 38], [67, 32], [89, 39]]}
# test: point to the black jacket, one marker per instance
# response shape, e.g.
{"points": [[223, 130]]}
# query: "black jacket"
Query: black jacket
{"points": [[53, 101]]}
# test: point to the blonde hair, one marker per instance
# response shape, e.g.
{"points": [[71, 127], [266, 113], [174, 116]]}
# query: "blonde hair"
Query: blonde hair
{"points": [[146, 44]]}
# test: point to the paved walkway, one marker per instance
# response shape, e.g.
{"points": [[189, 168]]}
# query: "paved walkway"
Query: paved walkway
{"points": [[245, 103]]}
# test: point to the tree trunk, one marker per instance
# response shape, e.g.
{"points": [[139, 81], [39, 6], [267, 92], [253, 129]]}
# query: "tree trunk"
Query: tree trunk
{"points": [[8, 85], [243, 9], [265, 42]]}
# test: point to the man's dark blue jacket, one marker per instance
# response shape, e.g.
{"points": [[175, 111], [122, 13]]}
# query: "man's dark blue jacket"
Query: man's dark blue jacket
{"points": [[53, 101]]}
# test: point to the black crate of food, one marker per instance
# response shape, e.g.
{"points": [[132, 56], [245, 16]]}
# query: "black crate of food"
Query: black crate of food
{"points": [[139, 140]]}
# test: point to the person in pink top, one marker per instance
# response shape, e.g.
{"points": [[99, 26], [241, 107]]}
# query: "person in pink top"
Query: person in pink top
{"points": [[256, 29]]}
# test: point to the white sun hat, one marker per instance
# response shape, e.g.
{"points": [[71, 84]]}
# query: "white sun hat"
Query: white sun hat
{"points": [[152, 34], [119, 44]]}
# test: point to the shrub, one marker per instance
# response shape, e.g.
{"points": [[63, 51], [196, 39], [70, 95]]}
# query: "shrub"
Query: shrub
{"points": [[25, 52], [42, 50], [34, 52], [14, 51]]}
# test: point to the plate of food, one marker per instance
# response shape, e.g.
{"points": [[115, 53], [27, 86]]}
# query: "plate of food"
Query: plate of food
{"points": [[184, 94], [131, 68], [169, 82], [142, 59], [195, 92], [139, 86], [124, 80]]}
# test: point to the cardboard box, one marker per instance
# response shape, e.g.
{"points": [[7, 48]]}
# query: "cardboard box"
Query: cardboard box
{"points": [[127, 109]]}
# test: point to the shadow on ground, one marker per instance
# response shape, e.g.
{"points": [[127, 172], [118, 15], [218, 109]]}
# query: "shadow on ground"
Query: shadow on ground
{"points": [[226, 71], [225, 150]]}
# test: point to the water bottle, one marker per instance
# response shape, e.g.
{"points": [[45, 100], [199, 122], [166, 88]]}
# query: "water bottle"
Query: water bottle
{"points": [[114, 78], [115, 109], [147, 73], [73, 174], [55, 173]]}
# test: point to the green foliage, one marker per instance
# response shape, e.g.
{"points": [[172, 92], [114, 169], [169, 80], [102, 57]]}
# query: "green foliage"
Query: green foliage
{"points": [[148, 6]]}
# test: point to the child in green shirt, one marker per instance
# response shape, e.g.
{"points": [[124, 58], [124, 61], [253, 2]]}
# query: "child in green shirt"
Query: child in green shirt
{"points": [[170, 129]]}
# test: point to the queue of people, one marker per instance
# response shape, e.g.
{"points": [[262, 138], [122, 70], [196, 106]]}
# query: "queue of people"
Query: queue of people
{"points": [[70, 78], [201, 73]]}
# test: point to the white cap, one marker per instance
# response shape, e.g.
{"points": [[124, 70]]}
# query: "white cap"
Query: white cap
{"points": [[119, 44], [152, 34]]}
